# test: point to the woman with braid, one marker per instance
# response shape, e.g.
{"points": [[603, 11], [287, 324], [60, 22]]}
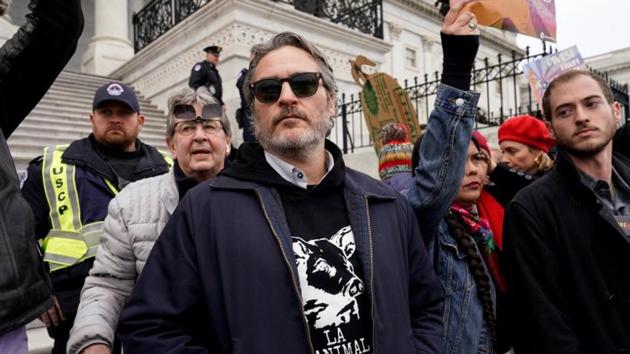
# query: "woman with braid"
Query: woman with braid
{"points": [[447, 184]]}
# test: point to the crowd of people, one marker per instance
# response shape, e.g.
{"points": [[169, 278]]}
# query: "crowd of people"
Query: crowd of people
{"points": [[282, 248]]}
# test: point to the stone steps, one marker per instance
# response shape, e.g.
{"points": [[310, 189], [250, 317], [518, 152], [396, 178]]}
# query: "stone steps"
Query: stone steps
{"points": [[63, 116]]}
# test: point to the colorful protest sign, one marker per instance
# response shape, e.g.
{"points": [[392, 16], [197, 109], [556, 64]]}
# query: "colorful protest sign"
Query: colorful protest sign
{"points": [[542, 71], [383, 101], [535, 18]]}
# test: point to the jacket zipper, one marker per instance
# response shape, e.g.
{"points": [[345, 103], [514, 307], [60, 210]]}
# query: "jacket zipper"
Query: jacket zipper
{"points": [[369, 222], [286, 261]]}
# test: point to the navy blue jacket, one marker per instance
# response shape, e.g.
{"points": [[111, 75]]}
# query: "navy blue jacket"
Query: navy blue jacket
{"points": [[94, 197], [222, 277]]}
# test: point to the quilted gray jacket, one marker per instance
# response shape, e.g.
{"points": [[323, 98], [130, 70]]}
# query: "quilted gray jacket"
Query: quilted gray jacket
{"points": [[134, 221]]}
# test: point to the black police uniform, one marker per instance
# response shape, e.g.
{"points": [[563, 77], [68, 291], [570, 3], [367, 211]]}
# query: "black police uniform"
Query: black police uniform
{"points": [[206, 74], [243, 114]]}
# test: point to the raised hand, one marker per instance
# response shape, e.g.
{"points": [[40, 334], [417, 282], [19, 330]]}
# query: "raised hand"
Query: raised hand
{"points": [[460, 22]]}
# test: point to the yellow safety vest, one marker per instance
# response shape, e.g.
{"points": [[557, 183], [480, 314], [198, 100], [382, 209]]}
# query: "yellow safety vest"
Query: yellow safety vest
{"points": [[167, 158], [69, 241]]}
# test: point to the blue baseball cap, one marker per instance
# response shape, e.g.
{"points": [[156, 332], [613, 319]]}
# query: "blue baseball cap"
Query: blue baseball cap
{"points": [[116, 91]]}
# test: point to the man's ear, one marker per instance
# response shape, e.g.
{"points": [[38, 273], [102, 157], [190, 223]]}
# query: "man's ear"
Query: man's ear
{"points": [[550, 129], [92, 120], [140, 120], [228, 147], [171, 146], [332, 104], [616, 109]]}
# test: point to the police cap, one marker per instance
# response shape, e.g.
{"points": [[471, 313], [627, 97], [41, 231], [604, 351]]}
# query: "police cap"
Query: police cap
{"points": [[214, 49], [116, 91]]}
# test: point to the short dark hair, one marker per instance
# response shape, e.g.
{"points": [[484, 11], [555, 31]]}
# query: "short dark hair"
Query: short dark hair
{"points": [[293, 40], [568, 76]]}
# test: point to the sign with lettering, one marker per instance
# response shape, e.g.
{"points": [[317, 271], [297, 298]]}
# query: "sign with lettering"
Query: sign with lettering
{"points": [[542, 71]]}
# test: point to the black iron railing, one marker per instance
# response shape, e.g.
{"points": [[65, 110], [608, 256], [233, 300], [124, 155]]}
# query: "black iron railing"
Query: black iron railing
{"points": [[502, 95], [363, 15], [159, 16]]}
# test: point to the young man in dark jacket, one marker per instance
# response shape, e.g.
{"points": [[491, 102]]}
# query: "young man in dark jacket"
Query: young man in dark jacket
{"points": [[70, 187], [567, 248], [288, 251], [51, 31]]}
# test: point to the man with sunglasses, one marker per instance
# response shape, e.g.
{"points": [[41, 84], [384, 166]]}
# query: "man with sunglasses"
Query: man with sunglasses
{"points": [[69, 188], [198, 136], [205, 73], [288, 250]]}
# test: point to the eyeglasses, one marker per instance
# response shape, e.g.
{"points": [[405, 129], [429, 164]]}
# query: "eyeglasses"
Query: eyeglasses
{"points": [[188, 127], [302, 85], [209, 111]]}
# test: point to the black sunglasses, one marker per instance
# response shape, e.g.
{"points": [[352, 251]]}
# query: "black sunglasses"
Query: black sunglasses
{"points": [[209, 111], [302, 85]]}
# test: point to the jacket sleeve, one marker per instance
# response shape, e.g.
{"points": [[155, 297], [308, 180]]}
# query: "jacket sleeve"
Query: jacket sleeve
{"points": [[425, 294], [508, 182], [537, 303], [33, 192], [442, 156], [109, 284], [199, 77], [157, 318], [32, 59]]}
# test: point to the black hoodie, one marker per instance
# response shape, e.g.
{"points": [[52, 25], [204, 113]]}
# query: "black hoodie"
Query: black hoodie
{"points": [[318, 220]]}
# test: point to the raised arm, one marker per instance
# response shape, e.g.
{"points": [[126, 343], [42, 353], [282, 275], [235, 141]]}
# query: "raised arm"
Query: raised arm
{"points": [[444, 145], [32, 59]]}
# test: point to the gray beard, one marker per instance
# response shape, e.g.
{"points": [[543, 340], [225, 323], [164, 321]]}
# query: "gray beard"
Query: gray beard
{"points": [[4, 6]]}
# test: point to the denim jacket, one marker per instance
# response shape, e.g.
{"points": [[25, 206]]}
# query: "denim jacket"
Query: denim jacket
{"points": [[442, 160]]}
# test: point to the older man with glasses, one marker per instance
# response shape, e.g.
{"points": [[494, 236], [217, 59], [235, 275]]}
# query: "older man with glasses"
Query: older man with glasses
{"points": [[198, 136]]}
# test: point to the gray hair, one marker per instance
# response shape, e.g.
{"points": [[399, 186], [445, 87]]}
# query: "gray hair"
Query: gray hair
{"points": [[4, 6], [189, 96], [294, 40]]}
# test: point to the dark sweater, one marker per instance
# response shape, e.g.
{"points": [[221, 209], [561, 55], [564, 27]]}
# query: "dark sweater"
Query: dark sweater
{"points": [[324, 245]]}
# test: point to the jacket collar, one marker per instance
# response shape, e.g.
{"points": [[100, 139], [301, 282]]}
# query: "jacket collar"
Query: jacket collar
{"points": [[566, 171], [251, 160], [83, 153], [171, 195]]}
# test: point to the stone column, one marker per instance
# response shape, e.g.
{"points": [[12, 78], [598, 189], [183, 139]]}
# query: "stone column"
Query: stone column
{"points": [[110, 46]]}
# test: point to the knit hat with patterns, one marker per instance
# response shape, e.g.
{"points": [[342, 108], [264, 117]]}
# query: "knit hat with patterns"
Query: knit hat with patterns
{"points": [[395, 156], [526, 130]]}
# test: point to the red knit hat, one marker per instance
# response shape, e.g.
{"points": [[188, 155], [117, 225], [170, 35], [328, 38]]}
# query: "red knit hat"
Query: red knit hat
{"points": [[527, 130]]}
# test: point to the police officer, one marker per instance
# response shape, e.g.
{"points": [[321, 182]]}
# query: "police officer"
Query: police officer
{"points": [[70, 187], [243, 113], [205, 73]]}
